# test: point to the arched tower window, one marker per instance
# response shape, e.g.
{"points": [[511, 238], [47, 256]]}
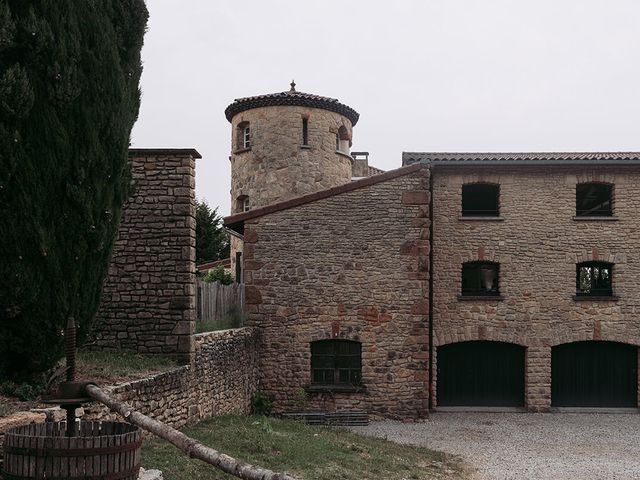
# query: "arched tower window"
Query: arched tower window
{"points": [[305, 131], [343, 142], [243, 204], [243, 136]]}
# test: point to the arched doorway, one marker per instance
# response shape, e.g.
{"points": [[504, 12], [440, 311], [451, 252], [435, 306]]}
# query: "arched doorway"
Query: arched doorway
{"points": [[481, 374], [594, 374]]}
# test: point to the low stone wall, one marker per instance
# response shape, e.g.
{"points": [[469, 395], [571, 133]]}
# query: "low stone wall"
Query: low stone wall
{"points": [[221, 380]]}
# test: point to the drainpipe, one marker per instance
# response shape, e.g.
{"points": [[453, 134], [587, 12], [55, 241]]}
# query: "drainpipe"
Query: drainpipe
{"points": [[430, 287]]}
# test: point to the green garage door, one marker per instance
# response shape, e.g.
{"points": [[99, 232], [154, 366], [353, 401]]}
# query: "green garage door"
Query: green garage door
{"points": [[481, 374], [594, 374]]}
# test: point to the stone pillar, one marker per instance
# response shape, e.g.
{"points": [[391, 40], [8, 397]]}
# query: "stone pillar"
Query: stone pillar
{"points": [[148, 302], [538, 379]]}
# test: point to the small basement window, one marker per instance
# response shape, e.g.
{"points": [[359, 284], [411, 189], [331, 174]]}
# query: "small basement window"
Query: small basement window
{"points": [[594, 200], [480, 200], [336, 362], [594, 279], [480, 279]]}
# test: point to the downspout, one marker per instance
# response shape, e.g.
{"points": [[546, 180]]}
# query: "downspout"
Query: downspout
{"points": [[430, 287]]}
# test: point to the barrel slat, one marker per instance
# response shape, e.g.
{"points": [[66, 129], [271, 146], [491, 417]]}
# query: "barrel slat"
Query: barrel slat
{"points": [[103, 450]]}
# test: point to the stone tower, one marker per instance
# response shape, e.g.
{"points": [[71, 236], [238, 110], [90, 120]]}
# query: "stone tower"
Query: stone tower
{"points": [[285, 145]]}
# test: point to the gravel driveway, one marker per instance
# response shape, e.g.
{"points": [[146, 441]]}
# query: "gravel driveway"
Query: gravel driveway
{"points": [[529, 446]]}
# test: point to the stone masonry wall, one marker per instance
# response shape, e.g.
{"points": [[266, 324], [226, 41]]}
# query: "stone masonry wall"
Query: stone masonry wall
{"points": [[537, 243], [222, 380], [148, 302], [351, 266]]}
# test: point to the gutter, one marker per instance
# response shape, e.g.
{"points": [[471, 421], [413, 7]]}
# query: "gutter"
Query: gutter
{"points": [[520, 163]]}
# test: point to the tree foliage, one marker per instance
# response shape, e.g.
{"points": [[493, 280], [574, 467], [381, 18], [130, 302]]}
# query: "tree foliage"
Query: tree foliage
{"points": [[218, 274], [212, 243], [69, 75]]}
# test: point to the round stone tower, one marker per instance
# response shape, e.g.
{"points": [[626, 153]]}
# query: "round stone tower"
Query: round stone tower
{"points": [[287, 144], [284, 145]]}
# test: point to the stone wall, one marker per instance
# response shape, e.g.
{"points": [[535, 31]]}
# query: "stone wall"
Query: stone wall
{"points": [[537, 243], [221, 381], [148, 301], [350, 263]]}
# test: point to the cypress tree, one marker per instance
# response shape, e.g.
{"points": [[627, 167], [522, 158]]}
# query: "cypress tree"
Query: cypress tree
{"points": [[69, 75], [212, 243]]}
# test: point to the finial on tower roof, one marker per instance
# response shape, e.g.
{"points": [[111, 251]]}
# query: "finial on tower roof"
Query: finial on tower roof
{"points": [[293, 86]]}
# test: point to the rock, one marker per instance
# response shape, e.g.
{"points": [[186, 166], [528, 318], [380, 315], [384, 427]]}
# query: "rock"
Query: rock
{"points": [[150, 474]]}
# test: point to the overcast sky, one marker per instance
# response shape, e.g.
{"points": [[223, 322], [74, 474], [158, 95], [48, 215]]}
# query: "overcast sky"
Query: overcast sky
{"points": [[425, 75]]}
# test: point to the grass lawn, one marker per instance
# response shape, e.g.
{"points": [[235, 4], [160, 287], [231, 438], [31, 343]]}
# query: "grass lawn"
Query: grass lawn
{"points": [[106, 368], [308, 453], [203, 326], [111, 367]]}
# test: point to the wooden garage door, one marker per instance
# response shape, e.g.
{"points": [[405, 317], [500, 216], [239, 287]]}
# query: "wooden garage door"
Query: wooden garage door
{"points": [[481, 374], [594, 374]]}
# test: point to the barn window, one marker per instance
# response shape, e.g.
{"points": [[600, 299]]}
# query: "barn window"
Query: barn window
{"points": [[480, 200], [594, 200], [594, 279], [480, 279], [336, 362], [243, 136]]}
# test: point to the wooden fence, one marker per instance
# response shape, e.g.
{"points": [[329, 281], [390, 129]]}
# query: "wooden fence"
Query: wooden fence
{"points": [[219, 303]]}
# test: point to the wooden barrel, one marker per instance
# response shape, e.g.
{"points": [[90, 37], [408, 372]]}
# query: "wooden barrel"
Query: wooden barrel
{"points": [[101, 450]]}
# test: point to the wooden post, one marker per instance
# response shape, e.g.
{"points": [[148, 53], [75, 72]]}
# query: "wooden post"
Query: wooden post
{"points": [[190, 446]]}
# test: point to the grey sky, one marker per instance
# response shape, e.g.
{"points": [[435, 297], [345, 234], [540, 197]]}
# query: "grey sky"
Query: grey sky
{"points": [[447, 75]]}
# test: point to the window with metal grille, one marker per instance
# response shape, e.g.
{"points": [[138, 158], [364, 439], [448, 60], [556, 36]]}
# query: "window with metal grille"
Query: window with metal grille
{"points": [[336, 362], [480, 279], [480, 200], [594, 279], [594, 200]]}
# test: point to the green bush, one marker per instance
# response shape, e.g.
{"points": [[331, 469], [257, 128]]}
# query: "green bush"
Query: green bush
{"points": [[218, 274], [22, 391], [262, 404]]}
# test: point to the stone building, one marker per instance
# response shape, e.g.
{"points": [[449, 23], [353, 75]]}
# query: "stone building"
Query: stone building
{"points": [[457, 280]]}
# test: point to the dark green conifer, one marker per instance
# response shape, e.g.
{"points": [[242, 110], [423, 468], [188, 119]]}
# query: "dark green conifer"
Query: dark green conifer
{"points": [[69, 75]]}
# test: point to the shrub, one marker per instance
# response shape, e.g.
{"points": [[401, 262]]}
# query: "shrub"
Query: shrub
{"points": [[262, 403], [218, 274]]}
